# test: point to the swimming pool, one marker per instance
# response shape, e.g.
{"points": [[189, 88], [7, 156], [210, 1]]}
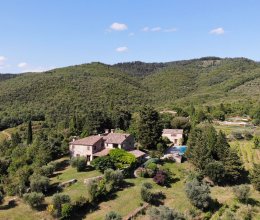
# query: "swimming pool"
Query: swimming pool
{"points": [[177, 149], [181, 149]]}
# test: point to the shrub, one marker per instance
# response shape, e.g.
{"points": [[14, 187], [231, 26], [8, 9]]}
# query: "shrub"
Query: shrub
{"points": [[257, 142], [34, 199], [247, 135], [237, 135], [115, 178], [122, 159], [242, 192], [39, 183], [151, 166], [79, 163], [160, 177], [47, 170], [164, 213], [103, 163], [198, 193], [80, 202], [113, 216], [92, 190], [146, 193], [215, 171], [66, 211], [58, 200], [147, 185], [255, 176]]}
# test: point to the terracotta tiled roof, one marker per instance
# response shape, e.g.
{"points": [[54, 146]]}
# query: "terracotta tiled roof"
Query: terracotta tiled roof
{"points": [[115, 138], [102, 153], [88, 141], [137, 153], [172, 131]]}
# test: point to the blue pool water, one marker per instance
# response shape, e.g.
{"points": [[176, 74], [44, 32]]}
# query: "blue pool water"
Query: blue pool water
{"points": [[177, 149], [182, 149]]}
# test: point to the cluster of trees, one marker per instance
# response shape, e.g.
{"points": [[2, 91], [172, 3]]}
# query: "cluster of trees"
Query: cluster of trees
{"points": [[100, 188], [198, 193], [26, 161], [164, 213], [160, 175], [210, 152]]}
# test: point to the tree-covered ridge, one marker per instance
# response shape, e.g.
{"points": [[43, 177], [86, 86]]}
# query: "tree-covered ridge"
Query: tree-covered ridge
{"points": [[58, 93], [6, 76]]}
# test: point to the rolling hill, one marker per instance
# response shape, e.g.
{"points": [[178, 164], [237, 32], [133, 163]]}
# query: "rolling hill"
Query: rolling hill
{"points": [[88, 87]]}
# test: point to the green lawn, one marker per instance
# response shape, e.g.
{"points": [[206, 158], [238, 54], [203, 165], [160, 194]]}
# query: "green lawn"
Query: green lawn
{"points": [[22, 212]]}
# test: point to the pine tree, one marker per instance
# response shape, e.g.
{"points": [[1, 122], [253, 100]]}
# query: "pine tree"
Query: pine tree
{"points": [[233, 167], [29, 132], [222, 147]]}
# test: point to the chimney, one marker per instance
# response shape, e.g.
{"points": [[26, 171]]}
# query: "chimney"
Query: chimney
{"points": [[106, 131], [112, 131]]}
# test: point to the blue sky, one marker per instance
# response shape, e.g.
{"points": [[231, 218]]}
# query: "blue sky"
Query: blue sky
{"points": [[44, 34]]}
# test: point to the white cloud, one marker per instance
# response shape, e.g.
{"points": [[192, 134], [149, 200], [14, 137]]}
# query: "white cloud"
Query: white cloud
{"points": [[170, 30], [156, 29], [121, 49], [145, 29], [22, 65], [118, 26], [2, 60], [217, 31]]}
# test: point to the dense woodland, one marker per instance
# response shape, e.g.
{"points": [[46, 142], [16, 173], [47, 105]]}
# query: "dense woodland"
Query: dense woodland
{"points": [[58, 94], [48, 109]]}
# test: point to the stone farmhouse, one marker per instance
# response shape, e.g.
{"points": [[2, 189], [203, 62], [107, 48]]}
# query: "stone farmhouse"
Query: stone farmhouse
{"points": [[174, 135], [100, 145]]}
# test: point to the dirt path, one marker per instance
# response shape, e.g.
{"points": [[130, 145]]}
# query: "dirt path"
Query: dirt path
{"points": [[8, 135]]}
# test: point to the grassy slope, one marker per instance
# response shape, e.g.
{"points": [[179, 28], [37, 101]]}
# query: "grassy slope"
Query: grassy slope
{"points": [[128, 199]]}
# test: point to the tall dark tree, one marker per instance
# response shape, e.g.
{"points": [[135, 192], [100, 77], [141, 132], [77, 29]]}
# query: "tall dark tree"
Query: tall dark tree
{"points": [[222, 147], [149, 128], [29, 132], [212, 155], [233, 167]]}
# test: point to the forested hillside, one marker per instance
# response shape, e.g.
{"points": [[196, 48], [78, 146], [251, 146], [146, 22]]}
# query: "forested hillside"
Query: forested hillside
{"points": [[59, 93]]}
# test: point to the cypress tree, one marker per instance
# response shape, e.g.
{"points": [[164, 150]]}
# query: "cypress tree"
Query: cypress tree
{"points": [[149, 128], [29, 132], [222, 147], [233, 167]]}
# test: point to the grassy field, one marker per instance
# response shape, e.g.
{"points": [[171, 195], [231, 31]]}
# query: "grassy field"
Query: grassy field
{"points": [[128, 199], [247, 152], [22, 212]]}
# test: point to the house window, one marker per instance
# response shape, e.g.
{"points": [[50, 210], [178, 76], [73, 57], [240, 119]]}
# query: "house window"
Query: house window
{"points": [[77, 155], [88, 148], [88, 157]]}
